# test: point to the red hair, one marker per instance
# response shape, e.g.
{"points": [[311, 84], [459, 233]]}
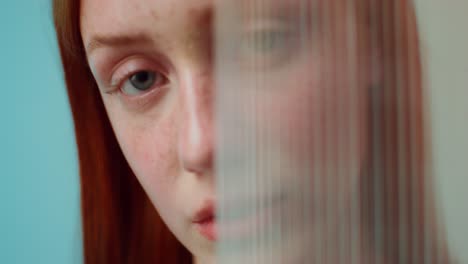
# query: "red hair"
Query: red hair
{"points": [[120, 224]]}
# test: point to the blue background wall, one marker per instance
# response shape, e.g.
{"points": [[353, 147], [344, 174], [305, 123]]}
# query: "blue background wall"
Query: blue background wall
{"points": [[39, 195]]}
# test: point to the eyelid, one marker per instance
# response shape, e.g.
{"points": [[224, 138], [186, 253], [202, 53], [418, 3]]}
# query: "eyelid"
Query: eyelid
{"points": [[158, 81], [131, 66]]}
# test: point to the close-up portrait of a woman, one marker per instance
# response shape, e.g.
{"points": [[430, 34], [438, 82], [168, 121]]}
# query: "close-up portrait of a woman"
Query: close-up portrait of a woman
{"points": [[262, 131]]}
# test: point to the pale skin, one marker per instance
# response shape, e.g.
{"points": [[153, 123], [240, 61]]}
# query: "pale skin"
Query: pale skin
{"points": [[174, 165], [166, 130]]}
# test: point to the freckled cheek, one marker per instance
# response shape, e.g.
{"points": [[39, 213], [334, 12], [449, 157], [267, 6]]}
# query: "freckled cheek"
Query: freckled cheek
{"points": [[150, 152]]}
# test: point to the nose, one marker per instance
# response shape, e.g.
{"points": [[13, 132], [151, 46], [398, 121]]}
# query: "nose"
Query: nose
{"points": [[196, 135]]}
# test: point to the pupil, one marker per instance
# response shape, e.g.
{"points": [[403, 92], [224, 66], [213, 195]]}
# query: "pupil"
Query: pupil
{"points": [[141, 77], [142, 80]]}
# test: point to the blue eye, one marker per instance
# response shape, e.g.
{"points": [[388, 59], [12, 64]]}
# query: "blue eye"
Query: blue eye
{"points": [[270, 41], [267, 42], [142, 81], [267, 48]]}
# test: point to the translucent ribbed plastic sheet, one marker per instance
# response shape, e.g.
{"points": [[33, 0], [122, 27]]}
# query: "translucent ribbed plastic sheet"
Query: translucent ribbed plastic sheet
{"points": [[324, 148]]}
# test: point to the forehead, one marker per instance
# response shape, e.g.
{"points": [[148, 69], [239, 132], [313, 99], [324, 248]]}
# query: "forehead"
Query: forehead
{"points": [[115, 16], [121, 17]]}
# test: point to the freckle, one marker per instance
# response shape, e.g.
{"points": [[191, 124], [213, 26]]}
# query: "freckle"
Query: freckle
{"points": [[154, 14]]}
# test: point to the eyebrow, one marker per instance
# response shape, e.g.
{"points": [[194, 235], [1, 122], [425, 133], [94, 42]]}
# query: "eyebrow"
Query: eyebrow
{"points": [[116, 41]]}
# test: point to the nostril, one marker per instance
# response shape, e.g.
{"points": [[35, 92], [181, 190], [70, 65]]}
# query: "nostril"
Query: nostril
{"points": [[197, 157]]}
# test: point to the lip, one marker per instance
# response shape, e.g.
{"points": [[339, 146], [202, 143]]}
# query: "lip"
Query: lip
{"points": [[205, 221], [244, 224]]}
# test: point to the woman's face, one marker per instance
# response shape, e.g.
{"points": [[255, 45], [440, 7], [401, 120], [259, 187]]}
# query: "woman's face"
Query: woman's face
{"points": [[153, 63]]}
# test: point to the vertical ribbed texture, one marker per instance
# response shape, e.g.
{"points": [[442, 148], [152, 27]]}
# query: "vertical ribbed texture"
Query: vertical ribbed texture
{"points": [[322, 154]]}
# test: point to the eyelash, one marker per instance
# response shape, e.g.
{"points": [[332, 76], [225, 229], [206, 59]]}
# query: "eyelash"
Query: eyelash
{"points": [[117, 83]]}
